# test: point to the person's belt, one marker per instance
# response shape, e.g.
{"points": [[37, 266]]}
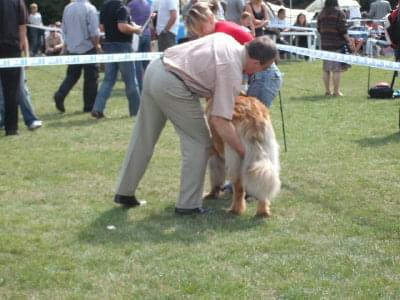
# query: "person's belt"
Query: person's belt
{"points": [[177, 76]]}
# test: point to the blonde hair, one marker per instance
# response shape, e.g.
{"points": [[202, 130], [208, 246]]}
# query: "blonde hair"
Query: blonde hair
{"points": [[245, 15], [199, 13], [33, 5]]}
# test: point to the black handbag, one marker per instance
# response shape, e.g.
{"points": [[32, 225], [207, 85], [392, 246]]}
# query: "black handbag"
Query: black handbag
{"points": [[381, 91]]}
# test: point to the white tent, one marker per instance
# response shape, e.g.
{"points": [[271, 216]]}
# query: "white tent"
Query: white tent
{"points": [[291, 14], [317, 5]]}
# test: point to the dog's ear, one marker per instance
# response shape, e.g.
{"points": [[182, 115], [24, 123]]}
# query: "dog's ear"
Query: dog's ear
{"points": [[242, 93]]}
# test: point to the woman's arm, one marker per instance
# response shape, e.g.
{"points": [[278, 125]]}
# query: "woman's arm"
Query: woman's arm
{"points": [[342, 28], [257, 23]]}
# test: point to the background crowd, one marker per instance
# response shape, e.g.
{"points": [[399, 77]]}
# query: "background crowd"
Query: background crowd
{"points": [[143, 26]]}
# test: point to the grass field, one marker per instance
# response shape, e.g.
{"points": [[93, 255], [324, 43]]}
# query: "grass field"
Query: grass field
{"points": [[334, 232]]}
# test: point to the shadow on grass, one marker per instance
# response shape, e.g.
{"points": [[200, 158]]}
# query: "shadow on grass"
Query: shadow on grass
{"points": [[64, 122], [59, 116], [313, 98], [379, 141], [165, 226]]}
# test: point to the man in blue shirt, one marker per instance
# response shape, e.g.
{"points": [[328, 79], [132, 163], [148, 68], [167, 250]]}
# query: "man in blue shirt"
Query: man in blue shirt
{"points": [[81, 31]]}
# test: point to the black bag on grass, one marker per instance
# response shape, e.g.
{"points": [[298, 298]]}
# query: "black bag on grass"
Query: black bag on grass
{"points": [[381, 91]]}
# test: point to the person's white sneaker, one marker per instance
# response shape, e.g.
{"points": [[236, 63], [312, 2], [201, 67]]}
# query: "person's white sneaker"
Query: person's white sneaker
{"points": [[35, 125]]}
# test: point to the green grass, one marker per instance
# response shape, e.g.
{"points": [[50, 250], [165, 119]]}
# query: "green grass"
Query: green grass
{"points": [[334, 233]]}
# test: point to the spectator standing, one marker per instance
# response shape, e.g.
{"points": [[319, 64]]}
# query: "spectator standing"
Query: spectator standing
{"points": [[258, 10], [247, 23], [234, 9], [54, 42], [140, 11], [187, 7], [167, 23], [332, 27], [36, 34], [217, 9], [116, 22], [13, 19], [301, 21], [80, 26], [24, 101], [379, 9]]}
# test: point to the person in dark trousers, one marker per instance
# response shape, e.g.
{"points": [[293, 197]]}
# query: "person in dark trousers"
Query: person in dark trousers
{"points": [[81, 31], [13, 19], [116, 22]]}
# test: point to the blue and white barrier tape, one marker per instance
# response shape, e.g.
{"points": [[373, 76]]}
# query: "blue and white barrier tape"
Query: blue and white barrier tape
{"points": [[287, 26], [344, 58], [76, 59], [45, 27], [121, 57], [354, 20]]}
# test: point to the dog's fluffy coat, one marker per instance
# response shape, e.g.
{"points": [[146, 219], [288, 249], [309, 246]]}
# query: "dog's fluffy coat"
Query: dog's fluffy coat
{"points": [[258, 173]]}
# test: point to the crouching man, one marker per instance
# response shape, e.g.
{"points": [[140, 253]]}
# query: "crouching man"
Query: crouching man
{"points": [[210, 67]]}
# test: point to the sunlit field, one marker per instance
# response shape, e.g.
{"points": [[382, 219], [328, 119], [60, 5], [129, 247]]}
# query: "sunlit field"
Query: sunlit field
{"points": [[334, 232]]}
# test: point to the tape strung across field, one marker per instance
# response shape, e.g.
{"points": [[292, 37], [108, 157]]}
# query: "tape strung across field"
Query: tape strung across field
{"points": [[76, 59], [106, 58], [345, 58], [48, 28]]}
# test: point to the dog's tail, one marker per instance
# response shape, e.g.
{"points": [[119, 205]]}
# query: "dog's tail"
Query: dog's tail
{"points": [[260, 167]]}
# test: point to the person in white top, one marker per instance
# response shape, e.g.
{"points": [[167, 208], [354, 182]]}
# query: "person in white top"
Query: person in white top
{"points": [[35, 34], [280, 21], [167, 22]]}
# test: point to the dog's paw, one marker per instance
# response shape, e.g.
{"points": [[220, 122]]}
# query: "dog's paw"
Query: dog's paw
{"points": [[262, 215], [211, 195], [263, 209], [233, 211], [237, 209]]}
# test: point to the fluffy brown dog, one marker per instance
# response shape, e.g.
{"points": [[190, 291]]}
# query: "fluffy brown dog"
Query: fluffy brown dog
{"points": [[258, 173]]}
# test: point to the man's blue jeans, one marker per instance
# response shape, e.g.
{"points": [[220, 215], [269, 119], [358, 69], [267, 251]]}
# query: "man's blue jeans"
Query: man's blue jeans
{"points": [[35, 35], [141, 65], [111, 71], [24, 102], [265, 85]]}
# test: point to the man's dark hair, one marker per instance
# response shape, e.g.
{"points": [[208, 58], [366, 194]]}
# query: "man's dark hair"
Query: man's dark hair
{"points": [[331, 3], [262, 49]]}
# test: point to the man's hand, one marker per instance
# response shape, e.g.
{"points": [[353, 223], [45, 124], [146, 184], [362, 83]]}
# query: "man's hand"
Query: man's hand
{"points": [[98, 48], [23, 41], [173, 15], [228, 133], [129, 28]]}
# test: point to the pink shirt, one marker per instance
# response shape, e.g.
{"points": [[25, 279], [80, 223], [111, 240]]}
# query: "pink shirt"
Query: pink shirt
{"points": [[211, 67]]}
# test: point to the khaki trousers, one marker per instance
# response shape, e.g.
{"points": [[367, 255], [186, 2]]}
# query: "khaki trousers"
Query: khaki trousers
{"points": [[165, 97]]}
